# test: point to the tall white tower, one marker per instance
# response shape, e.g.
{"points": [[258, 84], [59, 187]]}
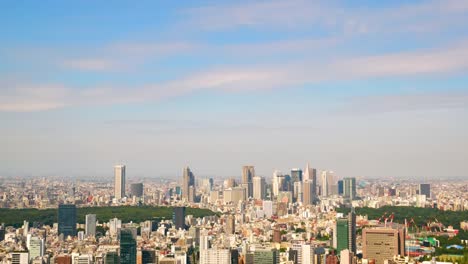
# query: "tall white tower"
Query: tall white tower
{"points": [[259, 190], [119, 181], [90, 225]]}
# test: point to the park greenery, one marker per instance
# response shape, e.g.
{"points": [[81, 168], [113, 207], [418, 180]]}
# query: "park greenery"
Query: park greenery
{"points": [[421, 216], [15, 217]]}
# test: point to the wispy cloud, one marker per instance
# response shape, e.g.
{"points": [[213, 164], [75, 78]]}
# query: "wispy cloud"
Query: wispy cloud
{"points": [[427, 16], [93, 64], [407, 102], [446, 60]]}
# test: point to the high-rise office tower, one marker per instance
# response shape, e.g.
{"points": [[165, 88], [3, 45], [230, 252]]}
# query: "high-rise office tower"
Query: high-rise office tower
{"points": [[344, 233], [352, 231], [381, 244], [188, 185], [90, 229], [341, 234], [259, 188], [340, 187], [128, 246], [327, 183], [119, 181], [178, 217], [425, 189], [136, 189], [296, 175], [308, 197], [297, 191], [230, 224], [310, 174], [277, 182], [349, 188], [67, 220], [248, 172]]}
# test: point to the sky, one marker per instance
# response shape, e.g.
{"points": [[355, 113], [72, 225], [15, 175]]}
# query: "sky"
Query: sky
{"points": [[364, 88]]}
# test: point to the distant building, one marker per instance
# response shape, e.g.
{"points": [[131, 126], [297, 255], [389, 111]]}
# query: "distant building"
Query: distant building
{"points": [[265, 256], [19, 257], [349, 188], [344, 233], [36, 247], [90, 228], [215, 256], [112, 257], [259, 188], [308, 192], [119, 181], [230, 224], [296, 175], [234, 195], [340, 187], [178, 217], [128, 246], [425, 189], [188, 185], [67, 220], [136, 189], [248, 172], [148, 256], [382, 244]]}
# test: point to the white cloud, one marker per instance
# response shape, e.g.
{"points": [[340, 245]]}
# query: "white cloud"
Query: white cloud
{"points": [[92, 64], [446, 60]]}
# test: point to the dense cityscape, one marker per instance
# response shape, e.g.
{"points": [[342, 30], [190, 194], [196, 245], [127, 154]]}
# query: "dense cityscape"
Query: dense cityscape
{"points": [[303, 216], [234, 132]]}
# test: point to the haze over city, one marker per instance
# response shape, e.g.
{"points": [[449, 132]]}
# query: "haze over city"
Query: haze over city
{"points": [[364, 88]]}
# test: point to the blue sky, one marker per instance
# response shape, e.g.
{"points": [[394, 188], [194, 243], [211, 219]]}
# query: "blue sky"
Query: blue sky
{"points": [[363, 88]]}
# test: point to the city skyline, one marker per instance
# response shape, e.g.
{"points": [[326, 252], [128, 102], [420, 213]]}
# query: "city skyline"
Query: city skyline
{"points": [[361, 88]]}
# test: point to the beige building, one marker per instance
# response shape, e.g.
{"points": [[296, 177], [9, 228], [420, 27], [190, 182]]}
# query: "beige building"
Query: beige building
{"points": [[381, 244]]}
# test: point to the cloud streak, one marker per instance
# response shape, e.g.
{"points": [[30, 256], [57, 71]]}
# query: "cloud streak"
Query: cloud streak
{"points": [[447, 60]]}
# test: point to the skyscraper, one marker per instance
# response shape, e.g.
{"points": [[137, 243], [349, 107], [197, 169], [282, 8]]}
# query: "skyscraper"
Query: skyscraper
{"points": [[327, 183], [248, 172], [341, 234], [310, 174], [352, 231], [178, 217], [188, 185], [136, 189], [119, 181], [425, 189], [340, 187], [259, 188], [349, 188], [308, 196], [296, 175], [128, 247], [277, 182], [90, 229], [67, 220], [344, 233]]}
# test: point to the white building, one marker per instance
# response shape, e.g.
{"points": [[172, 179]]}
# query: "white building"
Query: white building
{"points": [[90, 228], [259, 188], [119, 181]]}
